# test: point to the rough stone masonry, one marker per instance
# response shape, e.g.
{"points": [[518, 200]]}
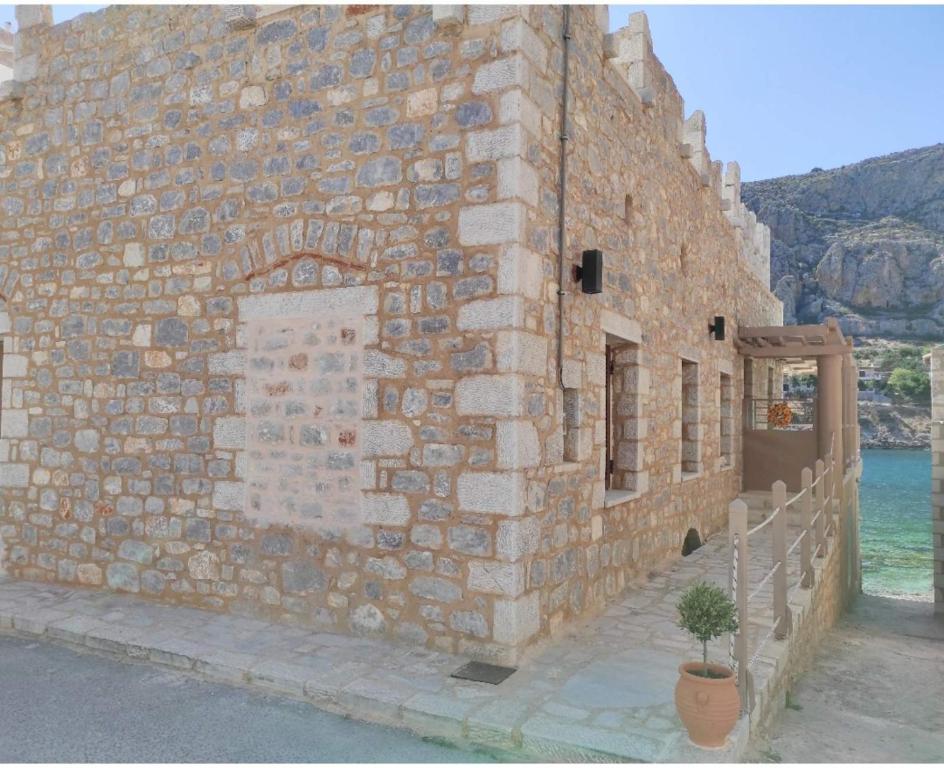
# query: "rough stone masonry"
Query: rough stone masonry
{"points": [[280, 310]]}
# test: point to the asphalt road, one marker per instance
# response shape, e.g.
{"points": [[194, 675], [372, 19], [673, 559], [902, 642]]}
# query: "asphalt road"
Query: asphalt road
{"points": [[58, 705]]}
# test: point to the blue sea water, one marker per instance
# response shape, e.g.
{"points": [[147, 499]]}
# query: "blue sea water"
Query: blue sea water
{"points": [[895, 523]]}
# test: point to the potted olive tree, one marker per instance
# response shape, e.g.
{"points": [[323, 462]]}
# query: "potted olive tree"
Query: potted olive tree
{"points": [[706, 695]]}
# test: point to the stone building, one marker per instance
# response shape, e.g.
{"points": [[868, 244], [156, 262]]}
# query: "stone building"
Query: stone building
{"points": [[281, 315]]}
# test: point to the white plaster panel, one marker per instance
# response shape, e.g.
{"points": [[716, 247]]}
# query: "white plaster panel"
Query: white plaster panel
{"points": [[303, 421]]}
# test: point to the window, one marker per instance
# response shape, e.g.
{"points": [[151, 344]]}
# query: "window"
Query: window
{"points": [[628, 209], [726, 421], [623, 467], [691, 434], [748, 414]]}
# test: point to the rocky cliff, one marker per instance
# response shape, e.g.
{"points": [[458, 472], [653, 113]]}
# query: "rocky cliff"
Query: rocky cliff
{"points": [[864, 243], [894, 426]]}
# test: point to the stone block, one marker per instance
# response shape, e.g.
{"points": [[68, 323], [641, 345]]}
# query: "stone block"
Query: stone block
{"points": [[238, 17], [518, 180], [497, 396], [517, 444], [204, 566], [435, 588], [517, 538], [356, 300], [522, 352], [491, 224], [490, 314], [489, 14], [232, 362], [500, 493], [230, 432], [14, 366], [252, 96], [504, 142], [447, 16], [385, 509], [11, 90], [496, 578], [386, 438], [520, 271], [28, 16], [14, 422], [14, 475], [123, 577], [515, 621], [229, 496]]}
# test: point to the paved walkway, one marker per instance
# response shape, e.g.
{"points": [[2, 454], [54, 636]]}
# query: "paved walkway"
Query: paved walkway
{"points": [[603, 690], [875, 692], [59, 706]]}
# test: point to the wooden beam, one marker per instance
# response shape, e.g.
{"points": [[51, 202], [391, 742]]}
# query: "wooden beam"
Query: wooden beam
{"points": [[775, 330], [798, 351]]}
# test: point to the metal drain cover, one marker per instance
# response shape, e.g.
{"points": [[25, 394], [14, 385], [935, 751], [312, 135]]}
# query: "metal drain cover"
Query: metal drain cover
{"points": [[480, 672]]}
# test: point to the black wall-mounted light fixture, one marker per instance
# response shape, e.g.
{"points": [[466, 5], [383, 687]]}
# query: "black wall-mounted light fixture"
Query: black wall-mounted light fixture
{"points": [[589, 273], [716, 328]]}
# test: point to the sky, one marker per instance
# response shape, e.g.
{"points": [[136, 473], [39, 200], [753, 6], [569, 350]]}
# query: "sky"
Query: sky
{"points": [[786, 89], [789, 88]]}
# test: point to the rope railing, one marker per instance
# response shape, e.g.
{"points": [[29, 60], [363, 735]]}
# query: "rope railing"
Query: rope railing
{"points": [[818, 502], [764, 582]]}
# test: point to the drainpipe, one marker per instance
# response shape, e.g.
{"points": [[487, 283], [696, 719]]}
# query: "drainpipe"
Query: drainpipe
{"points": [[562, 202]]}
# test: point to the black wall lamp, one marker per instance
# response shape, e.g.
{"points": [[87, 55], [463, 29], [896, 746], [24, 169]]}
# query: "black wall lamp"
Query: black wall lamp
{"points": [[589, 273], [716, 328]]}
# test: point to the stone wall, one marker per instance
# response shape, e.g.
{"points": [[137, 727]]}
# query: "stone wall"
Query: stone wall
{"points": [[937, 472], [221, 228]]}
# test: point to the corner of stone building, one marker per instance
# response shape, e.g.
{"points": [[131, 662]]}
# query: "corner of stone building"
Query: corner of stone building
{"points": [[31, 21]]}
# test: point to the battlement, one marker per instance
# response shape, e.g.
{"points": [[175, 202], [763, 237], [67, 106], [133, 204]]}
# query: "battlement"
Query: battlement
{"points": [[630, 51]]}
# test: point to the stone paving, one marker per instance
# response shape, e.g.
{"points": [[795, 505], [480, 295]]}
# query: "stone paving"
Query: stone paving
{"points": [[603, 689]]}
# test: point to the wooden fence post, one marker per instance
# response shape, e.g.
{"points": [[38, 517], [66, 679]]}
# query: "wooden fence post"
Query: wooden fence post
{"points": [[779, 560], [737, 536], [821, 508], [806, 546]]}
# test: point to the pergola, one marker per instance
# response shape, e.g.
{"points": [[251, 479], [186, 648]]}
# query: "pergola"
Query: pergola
{"points": [[836, 428], [793, 341]]}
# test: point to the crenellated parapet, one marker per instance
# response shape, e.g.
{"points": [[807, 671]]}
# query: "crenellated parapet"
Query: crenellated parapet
{"points": [[29, 19], [630, 51]]}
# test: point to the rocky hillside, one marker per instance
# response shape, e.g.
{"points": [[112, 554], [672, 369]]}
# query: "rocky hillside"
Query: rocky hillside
{"points": [[894, 426], [864, 242]]}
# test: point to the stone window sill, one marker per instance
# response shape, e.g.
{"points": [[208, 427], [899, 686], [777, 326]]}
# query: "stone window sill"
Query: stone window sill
{"points": [[616, 496], [568, 466], [726, 464], [686, 476]]}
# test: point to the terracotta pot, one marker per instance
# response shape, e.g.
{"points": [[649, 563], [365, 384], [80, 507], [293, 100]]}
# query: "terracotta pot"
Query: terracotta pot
{"points": [[708, 706]]}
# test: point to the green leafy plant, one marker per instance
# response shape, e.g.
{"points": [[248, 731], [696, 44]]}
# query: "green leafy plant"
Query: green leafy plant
{"points": [[706, 612]]}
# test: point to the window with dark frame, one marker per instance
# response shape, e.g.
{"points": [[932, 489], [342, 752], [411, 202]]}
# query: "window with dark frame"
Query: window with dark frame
{"points": [[726, 420], [691, 434], [623, 461]]}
